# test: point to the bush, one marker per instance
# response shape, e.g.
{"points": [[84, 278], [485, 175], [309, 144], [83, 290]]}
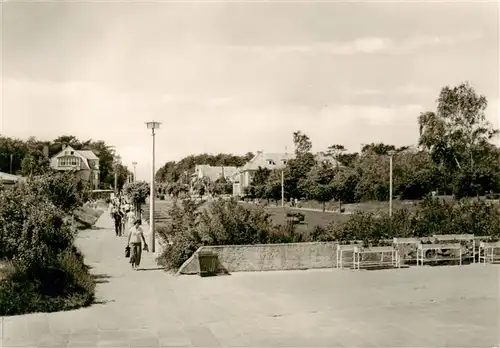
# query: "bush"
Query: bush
{"points": [[223, 222], [37, 237], [64, 285], [33, 230]]}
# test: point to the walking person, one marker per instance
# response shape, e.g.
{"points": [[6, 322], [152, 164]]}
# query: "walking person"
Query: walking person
{"points": [[135, 237], [117, 217]]}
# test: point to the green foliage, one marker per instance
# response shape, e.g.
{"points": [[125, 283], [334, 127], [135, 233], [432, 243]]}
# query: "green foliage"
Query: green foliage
{"points": [[37, 237], [63, 189], [173, 172], [220, 223], [457, 136], [64, 285], [429, 217], [137, 191], [28, 156]]}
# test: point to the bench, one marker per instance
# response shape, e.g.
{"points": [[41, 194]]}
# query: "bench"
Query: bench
{"points": [[487, 252], [459, 238], [398, 242], [341, 249], [385, 250], [422, 248]]}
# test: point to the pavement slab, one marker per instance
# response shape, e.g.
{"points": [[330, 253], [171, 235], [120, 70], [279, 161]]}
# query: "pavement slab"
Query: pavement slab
{"points": [[415, 307]]}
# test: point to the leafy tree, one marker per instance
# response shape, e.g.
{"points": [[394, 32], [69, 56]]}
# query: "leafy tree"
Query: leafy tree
{"points": [[34, 163], [318, 184], [138, 192], [272, 188], [458, 133], [298, 168], [348, 159], [335, 151]]}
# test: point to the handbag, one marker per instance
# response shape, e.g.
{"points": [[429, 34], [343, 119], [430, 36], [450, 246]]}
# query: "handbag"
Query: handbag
{"points": [[145, 247], [127, 251]]}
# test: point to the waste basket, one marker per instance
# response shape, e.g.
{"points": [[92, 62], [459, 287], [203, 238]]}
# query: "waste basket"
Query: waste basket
{"points": [[207, 261]]}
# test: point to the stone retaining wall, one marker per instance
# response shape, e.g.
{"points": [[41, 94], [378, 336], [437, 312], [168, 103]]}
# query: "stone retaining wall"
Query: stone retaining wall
{"points": [[267, 257]]}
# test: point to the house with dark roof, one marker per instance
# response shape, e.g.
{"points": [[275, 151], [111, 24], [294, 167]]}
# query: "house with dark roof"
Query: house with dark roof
{"points": [[84, 162]]}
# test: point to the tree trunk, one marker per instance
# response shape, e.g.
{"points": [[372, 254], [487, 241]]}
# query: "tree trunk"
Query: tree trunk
{"points": [[324, 206]]}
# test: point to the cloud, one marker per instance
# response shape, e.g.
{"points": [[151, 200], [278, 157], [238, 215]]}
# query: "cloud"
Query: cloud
{"points": [[364, 45]]}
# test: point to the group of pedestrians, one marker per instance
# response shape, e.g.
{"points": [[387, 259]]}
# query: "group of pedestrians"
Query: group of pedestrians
{"points": [[125, 219]]}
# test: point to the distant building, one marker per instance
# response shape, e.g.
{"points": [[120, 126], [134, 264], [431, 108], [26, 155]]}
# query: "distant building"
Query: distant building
{"points": [[244, 176], [84, 162], [212, 173]]}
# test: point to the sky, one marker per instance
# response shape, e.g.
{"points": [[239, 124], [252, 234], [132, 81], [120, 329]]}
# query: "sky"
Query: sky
{"points": [[240, 76]]}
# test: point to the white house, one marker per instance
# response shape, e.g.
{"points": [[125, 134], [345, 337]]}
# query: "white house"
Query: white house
{"points": [[84, 162], [243, 177]]}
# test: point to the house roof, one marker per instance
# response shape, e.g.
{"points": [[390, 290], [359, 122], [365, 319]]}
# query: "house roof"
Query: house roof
{"points": [[214, 173], [85, 155], [88, 154], [266, 160]]}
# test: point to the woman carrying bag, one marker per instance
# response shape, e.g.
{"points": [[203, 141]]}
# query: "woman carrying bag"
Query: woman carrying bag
{"points": [[134, 245]]}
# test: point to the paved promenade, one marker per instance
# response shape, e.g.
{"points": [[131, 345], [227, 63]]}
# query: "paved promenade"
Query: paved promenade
{"points": [[426, 307]]}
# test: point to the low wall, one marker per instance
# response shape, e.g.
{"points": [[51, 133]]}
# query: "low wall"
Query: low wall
{"points": [[267, 257]]}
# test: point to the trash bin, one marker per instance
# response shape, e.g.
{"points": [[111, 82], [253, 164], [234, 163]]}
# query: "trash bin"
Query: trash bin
{"points": [[207, 261]]}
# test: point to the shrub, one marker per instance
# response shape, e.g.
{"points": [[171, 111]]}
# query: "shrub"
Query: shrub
{"points": [[65, 190], [48, 272], [64, 285], [33, 230], [222, 222]]}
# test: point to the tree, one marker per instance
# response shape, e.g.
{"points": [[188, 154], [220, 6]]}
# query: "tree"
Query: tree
{"points": [[272, 188], [34, 163], [298, 168], [302, 143], [138, 192], [336, 151], [122, 175], [318, 184], [458, 132], [379, 149], [259, 181]]}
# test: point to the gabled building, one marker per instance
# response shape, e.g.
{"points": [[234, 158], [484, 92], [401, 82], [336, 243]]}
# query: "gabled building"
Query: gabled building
{"points": [[244, 176], [212, 173], [84, 162]]}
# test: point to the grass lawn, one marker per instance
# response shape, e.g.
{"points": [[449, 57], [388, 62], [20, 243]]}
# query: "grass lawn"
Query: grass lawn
{"points": [[312, 218]]}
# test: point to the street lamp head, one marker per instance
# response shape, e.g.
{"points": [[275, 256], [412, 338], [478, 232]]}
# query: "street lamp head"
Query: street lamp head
{"points": [[153, 125], [134, 163], [391, 152]]}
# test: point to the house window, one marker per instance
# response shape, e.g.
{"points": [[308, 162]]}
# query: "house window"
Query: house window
{"points": [[283, 161], [69, 161], [271, 162]]}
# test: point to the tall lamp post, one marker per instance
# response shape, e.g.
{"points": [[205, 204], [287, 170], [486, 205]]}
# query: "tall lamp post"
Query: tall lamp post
{"points": [[152, 194], [134, 164]]}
